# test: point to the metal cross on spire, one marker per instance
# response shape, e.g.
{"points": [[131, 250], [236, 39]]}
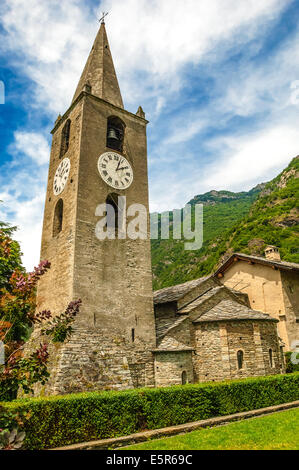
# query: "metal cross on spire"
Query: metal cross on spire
{"points": [[102, 20]]}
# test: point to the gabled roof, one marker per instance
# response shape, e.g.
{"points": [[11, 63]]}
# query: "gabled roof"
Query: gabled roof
{"points": [[162, 331], [197, 302], [229, 310], [281, 265], [174, 293]]}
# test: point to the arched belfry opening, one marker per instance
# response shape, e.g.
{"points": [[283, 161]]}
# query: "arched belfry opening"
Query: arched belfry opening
{"points": [[115, 133], [58, 218], [115, 209], [65, 138]]}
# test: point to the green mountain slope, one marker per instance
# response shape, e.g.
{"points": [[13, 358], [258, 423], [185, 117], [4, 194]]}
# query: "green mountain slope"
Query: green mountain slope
{"points": [[222, 210], [247, 222]]}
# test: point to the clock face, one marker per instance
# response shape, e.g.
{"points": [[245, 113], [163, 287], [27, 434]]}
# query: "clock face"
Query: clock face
{"points": [[61, 176], [115, 170]]}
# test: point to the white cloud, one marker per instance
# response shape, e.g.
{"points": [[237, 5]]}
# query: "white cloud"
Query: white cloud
{"points": [[244, 161], [154, 43], [27, 216], [33, 145], [157, 38], [172, 33], [240, 155], [22, 189], [244, 158]]}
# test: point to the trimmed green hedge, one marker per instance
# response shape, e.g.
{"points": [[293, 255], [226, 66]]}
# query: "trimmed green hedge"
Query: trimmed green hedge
{"points": [[58, 421]]}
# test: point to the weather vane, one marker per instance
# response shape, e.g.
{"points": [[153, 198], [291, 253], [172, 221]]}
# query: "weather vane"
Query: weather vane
{"points": [[102, 20]]}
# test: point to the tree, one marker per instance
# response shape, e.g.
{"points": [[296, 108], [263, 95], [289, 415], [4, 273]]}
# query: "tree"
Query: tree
{"points": [[18, 311], [18, 316], [10, 255]]}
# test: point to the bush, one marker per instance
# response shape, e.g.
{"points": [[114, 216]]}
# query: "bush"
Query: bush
{"points": [[58, 421], [290, 367]]}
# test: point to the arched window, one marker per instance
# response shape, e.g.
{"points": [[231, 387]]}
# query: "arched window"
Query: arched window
{"points": [[115, 133], [58, 218], [116, 214], [65, 138], [271, 357], [112, 210], [184, 377], [240, 357]]}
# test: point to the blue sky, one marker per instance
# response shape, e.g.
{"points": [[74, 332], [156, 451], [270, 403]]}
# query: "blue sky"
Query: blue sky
{"points": [[214, 77]]}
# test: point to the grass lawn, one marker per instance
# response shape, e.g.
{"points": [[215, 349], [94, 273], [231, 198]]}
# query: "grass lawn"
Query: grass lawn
{"points": [[279, 431]]}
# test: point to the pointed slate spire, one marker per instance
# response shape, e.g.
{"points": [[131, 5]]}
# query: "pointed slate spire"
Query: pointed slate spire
{"points": [[99, 72]]}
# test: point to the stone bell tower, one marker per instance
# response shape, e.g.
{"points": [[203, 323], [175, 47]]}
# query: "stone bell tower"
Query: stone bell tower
{"points": [[99, 152]]}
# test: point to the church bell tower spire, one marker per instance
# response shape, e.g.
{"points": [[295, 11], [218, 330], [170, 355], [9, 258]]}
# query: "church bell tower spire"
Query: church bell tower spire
{"points": [[99, 72], [98, 158]]}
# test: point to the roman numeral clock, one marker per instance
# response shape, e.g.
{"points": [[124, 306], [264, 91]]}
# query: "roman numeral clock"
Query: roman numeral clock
{"points": [[115, 170], [61, 176]]}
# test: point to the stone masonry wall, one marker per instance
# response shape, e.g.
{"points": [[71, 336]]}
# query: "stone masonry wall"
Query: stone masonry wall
{"points": [[55, 289], [241, 336], [290, 289], [94, 360], [269, 340], [207, 360], [178, 337], [217, 345], [169, 368]]}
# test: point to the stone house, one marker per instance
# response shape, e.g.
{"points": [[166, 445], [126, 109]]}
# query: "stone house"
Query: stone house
{"points": [[208, 332], [272, 286]]}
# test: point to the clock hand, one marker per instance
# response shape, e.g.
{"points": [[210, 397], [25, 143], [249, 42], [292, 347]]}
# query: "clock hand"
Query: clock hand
{"points": [[118, 165]]}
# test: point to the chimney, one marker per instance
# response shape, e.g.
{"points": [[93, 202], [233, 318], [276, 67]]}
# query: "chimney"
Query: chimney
{"points": [[272, 253]]}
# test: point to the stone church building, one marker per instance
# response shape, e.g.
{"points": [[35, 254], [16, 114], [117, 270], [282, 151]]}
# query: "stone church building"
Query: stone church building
{"points": [[126, 336], [207, 332]]}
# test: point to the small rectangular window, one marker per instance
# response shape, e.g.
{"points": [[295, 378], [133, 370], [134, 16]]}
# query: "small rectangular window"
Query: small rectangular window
{"points": [[133, 335]]}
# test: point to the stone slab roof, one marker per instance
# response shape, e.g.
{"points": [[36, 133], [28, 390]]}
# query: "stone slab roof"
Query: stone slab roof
{"points": [[174, 293], [229, 310], [161, 331], [202, 298], [282, 265], [166, 327]]}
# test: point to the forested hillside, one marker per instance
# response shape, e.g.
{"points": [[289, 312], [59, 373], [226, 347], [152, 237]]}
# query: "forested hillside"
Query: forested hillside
{"points": [[246, 222]]}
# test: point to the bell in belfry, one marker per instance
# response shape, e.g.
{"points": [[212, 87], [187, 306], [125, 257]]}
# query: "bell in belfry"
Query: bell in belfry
{"points": [[112, 134]]}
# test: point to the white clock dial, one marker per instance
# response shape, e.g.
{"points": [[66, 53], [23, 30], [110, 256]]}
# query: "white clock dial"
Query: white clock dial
{"points": [[61, 176], [115, 170]]}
